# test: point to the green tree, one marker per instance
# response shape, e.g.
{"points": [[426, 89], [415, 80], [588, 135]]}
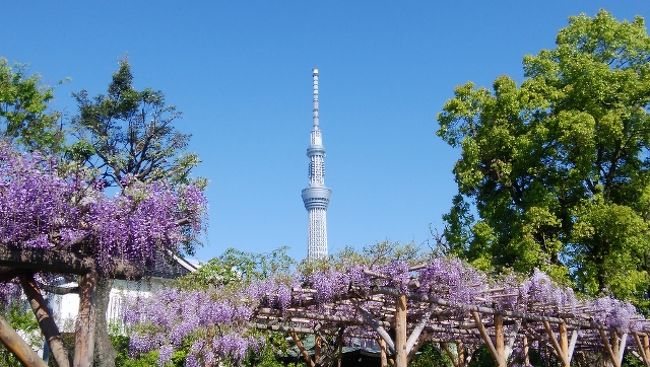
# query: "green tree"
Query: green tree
{"points": [[430, 356], [236, 268], [128, 134], [24, 116], [131, 133], [557, 168]]}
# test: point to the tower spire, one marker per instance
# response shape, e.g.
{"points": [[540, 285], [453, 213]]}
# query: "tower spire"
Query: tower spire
{"points": [[316, 196], [315, 116]]}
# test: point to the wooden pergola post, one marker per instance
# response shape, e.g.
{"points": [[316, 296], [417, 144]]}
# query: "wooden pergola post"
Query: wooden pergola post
{"points": [[457, 359], [614, 346], [562, 347], [526, 355], [401, 354], [303, 351], [497, 347], [383, 356], [45, 319], [643, 346]]}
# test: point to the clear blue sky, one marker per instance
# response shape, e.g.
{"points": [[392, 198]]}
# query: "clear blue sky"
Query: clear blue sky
{"points": [[241, 73]]}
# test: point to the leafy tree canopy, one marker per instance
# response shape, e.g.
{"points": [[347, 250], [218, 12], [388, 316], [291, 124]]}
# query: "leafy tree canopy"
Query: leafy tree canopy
{"points": [[558, 166], [131, 133], [24, 118], [236, 267]]}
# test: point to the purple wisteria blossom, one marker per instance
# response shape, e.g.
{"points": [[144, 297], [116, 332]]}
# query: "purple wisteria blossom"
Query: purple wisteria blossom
{"points": [[170, 318], [44, 206], [613, 313], [452, 279]]}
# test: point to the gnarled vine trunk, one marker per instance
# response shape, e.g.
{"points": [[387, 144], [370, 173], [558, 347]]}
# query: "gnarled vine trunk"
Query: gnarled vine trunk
{"points": [[104, 352], [85, 328]]}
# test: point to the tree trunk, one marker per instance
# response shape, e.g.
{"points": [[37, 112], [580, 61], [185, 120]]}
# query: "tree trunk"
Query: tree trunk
{"points": [[105, 354], [85, 329], [45, 320]]}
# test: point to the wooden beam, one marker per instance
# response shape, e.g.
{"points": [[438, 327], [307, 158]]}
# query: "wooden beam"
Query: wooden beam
{"points": [[423, 339], [61, 261], [280, 327], [417, 330], [526, 355], [378, 328], [266, 313], [47, 260], [572, 344], [485, 335], [450, 354], [621, 348], [561, 347], [305, 356], [639, 344], [490, 311], [18, 347], [511, 339], [608, 347], [499, 339]]}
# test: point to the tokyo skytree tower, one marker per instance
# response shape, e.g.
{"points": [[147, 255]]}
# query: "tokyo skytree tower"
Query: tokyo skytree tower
{"points": [[316, 196]]}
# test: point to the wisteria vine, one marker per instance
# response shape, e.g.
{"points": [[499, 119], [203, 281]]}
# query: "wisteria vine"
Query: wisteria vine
{"points": [[191, 317], [51, 207]]}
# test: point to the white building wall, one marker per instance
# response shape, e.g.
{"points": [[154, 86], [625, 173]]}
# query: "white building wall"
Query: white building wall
{"points": [[66, 307]]}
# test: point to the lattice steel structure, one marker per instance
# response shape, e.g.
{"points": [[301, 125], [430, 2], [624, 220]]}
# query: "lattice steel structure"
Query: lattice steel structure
{"points": [[316, 196]]}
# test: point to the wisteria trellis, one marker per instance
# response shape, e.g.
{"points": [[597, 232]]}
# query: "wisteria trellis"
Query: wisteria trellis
{"points": [[60, 219], [401, 307]]}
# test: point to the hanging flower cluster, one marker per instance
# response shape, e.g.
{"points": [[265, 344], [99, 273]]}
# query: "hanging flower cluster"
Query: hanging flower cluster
{"points": [[214, 324], [451, 279], [9, 292], [41, 207], [35, 202]]}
